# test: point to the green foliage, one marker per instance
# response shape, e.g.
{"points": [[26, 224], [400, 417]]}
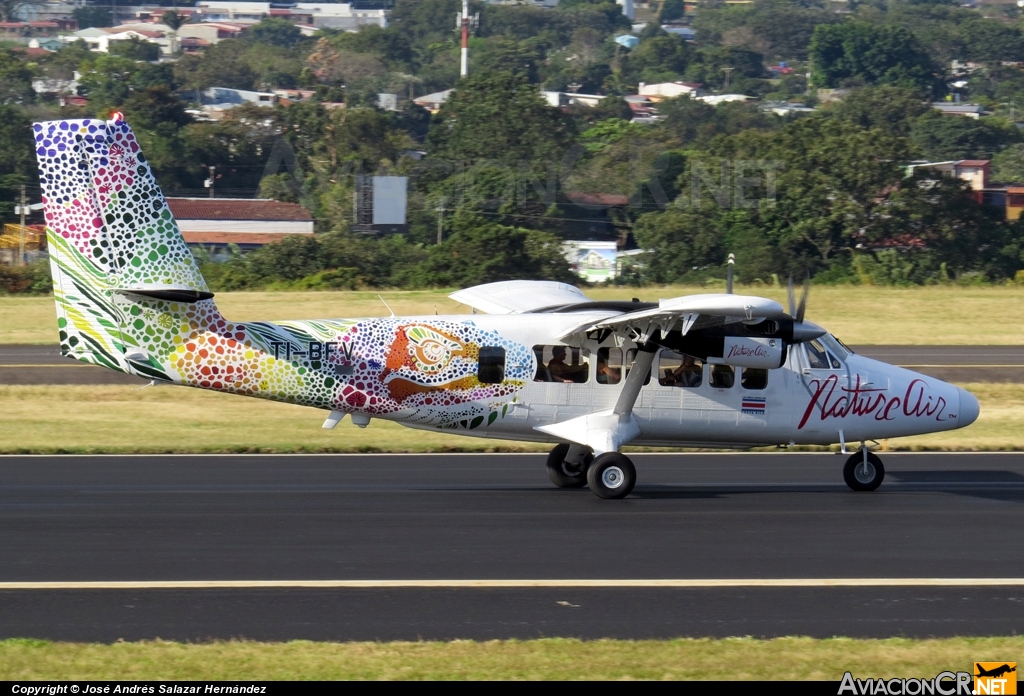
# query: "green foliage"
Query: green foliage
{"points": [[859, 53], [33, 279], [498, 116], [92, 16], [275, 32], [172, 19], [671, 10], [778, 29], [135, 49], [15, 79], [1008, 165], [941, 137], [892, 109]]}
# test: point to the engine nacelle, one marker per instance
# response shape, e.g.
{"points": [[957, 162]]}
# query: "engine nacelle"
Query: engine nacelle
{"points": [[746, 351]]}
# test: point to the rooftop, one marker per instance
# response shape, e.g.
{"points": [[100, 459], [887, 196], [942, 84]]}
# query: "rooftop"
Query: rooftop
{"points": [[236, 209]]}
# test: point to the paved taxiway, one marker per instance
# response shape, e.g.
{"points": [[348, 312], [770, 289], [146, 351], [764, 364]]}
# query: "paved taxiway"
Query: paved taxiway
{"points": [[442, 517], [43, 364]]}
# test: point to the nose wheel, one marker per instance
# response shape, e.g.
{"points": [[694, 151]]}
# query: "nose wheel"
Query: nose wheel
{"points": [[863, 473]]}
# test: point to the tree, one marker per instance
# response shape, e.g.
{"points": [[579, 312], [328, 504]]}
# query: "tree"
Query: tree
{"points": [[893, 109], [843, 54], [671, 10], [15, 79], [660, 58], [941, 137], [135, 49], [988, 41], [107, 82], [17, 156], [172, 19], [91, 16], [276, 32], [332, 65], [499, 116]]}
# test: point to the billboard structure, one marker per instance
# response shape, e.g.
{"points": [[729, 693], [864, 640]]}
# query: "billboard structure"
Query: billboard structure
{"points": [[380, 204]]}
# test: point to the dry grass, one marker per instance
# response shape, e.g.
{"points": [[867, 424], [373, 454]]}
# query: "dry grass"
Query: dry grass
{"points": [[865, 315], [179, 419], [726, 659]]}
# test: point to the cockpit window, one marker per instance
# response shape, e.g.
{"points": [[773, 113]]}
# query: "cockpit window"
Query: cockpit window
{"points": [[841, 350], [819, 359]]}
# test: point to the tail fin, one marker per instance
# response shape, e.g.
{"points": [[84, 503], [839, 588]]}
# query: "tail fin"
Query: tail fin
{"points": [[116, 254]]}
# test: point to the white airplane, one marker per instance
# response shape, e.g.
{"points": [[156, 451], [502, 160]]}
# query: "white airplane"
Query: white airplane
{"points": [[543, 363]]}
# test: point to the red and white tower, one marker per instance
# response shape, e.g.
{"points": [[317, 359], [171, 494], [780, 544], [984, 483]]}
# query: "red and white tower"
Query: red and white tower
{"points": [[465, 38]]}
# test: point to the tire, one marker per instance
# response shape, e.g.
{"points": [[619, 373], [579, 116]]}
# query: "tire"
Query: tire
{"points": [[611, 475], [565, 474], [859, 480]]}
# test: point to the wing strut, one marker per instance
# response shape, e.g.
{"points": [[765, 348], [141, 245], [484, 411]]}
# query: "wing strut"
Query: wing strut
{"points": [[608, 430]]}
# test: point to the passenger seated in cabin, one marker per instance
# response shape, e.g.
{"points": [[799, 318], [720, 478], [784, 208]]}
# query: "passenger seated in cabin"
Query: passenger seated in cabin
{"points": [[557, 368], [607, 374], [722, 376], [689, 372]]}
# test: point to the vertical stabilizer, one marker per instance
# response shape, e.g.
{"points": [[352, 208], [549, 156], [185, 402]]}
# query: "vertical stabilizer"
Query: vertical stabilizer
{"points": [[114, 245]]}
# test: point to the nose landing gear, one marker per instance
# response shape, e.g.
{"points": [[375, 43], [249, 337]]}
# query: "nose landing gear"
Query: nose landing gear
{"points": [[863, 471]]}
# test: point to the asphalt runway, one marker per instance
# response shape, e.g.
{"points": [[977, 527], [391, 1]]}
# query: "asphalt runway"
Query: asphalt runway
{"points": [[752, 518], [35, 364]]}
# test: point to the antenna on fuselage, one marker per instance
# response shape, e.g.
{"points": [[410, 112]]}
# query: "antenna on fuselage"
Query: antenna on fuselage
{"points": [[387, 305], [728, 275]]}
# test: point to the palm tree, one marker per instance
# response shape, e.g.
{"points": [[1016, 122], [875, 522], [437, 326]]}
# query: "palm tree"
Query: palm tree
{"points": [[171, 18]]}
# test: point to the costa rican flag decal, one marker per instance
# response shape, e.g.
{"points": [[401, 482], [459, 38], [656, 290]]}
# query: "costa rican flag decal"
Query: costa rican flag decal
{"points": [[754, 405]]}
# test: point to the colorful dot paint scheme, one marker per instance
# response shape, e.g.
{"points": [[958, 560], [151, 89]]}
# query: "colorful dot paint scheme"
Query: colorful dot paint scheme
{"points": [[117, 255]]}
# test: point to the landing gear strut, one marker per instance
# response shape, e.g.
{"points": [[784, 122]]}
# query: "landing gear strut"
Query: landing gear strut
{"points": [[567, 465], [611, 475], [863, 471]]}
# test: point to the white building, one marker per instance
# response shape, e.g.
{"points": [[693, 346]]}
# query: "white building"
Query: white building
{"points": [[669, 90], [320, 15], [99, 40]]}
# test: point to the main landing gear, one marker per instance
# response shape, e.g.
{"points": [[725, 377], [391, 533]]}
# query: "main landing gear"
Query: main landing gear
{"points": [[609, 475], [863, 471]]}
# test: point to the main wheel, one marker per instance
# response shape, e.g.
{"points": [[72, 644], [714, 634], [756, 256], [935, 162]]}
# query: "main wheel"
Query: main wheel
{"points": [[611, 475], [568, 474], [861, 477]]}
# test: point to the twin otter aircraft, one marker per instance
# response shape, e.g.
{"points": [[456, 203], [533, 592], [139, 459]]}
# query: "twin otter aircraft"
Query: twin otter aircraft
{"points": [[543, 362]]}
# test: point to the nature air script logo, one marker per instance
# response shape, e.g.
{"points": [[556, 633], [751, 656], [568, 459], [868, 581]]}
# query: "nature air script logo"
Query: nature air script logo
{"points": [[995, 677], [831, 400]]}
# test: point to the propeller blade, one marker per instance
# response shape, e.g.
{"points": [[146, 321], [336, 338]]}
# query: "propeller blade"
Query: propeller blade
{"points": [[792, 297], [803, 300]]}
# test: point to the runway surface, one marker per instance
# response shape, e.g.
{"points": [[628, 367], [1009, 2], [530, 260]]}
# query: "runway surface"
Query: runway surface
{"points": [[495, 517], [34, 364]]}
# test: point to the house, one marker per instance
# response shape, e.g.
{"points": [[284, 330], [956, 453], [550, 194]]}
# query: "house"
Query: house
{"points": [[212, 32], [716, 99], [960, 109], [974, 172], [326, 15], [669, 90], [99, 39], [565, 99], [228, 98], [433, 102], [643, 109], [216, 223], [12, 30]]}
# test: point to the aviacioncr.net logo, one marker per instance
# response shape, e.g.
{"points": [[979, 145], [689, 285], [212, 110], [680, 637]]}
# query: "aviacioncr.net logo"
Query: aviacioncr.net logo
{"points": [[943, 684]]}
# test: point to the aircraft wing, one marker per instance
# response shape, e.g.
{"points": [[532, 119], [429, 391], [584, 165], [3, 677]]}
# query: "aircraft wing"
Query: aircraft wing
{"points": [[684, 313], [518, 296]]}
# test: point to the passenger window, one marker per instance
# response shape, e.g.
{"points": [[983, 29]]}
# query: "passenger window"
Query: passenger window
{"points": [[560, 364], [609, 365], [722, 376], [491, 365], [753, 378], [679, 370]]}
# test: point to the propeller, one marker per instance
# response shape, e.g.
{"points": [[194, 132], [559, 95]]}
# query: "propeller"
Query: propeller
{"points": [[728, 277], [802, 330]]}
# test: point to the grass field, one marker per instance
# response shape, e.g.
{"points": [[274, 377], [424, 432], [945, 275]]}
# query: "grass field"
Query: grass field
{"points": [[177, 419], [727, 659], [865, 315]]}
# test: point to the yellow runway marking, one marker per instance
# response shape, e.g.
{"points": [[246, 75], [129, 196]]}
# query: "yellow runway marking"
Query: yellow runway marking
{"points": [[485, 584]]}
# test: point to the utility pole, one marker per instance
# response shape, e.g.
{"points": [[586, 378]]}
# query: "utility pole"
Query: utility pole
{"points": [[465, 38], [728, 72], [440, 221], [23, 208], [212, 180]]}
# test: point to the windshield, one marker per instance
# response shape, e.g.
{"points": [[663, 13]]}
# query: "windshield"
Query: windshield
{"points": [[838, 348]]}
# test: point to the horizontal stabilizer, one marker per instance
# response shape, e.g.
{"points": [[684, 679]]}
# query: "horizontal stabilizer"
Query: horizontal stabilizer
{"points": [[169, 294]]}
